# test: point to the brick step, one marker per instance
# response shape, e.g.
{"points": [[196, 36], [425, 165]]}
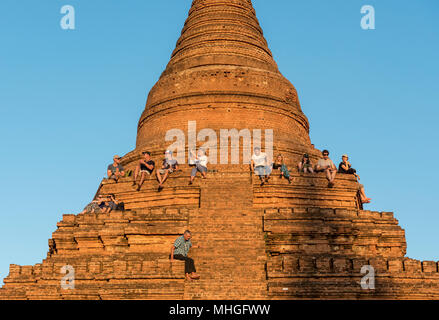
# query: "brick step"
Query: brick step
{"points": [[238, 265], [226, 233], [238, 247], [209, 262], [222, 293], [227, 260], [226, 213], [225, 218], [230, 234], [228, 219], [231, 283], [222, 276], [229, 254], [247, 243], [300, 178], [238, 278], [236, 290]]}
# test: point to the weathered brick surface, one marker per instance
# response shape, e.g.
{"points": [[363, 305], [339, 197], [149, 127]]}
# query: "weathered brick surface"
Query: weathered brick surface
{"points": [[280, 241]]}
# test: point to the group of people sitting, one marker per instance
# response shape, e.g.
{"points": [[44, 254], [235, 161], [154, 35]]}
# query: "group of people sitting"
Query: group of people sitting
{"points": [[104, 204], [146, 166], [262, 168]]}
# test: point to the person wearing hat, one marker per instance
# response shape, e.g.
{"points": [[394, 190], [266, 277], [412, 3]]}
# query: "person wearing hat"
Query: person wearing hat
{"points": [[169, 166], [345, 167], [115, 170], [305, 165]]}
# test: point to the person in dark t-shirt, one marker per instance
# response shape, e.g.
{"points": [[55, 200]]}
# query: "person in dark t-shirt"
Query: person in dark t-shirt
{"points": [[345, 167], [144, 167], [305, 165]]}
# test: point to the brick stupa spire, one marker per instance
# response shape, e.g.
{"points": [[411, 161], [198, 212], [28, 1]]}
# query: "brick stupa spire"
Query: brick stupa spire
{"points": [[279, 241], [222, 69]]}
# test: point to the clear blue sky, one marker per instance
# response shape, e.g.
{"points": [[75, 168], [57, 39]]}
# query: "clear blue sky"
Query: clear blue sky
{"points": [[373, 94]]}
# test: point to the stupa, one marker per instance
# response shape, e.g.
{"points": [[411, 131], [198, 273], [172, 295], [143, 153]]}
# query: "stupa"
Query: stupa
{"points": [[279, 241]]}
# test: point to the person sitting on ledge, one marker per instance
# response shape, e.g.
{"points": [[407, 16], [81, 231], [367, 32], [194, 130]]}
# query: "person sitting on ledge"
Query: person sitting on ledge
{"points": [[346, 168], [169, 166], [94, 206], [282, 167], [179, 251], [115, 170], [259, 165], [144, 167], [111, 204], [305, 165], [200, 161], [120, 205], [326, 165]]}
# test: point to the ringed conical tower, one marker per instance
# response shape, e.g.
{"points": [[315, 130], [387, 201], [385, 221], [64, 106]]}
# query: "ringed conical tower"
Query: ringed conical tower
{"points": [[279, 241], [223, 76]]}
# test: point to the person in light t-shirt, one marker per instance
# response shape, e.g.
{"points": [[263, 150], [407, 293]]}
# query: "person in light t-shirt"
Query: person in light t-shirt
{"points": [[260, 165], [169, 166], [200, 165], [326, 165]]}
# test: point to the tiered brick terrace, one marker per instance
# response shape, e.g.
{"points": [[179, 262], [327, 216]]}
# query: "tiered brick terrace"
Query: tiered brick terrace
{"points": [[280, 241]]}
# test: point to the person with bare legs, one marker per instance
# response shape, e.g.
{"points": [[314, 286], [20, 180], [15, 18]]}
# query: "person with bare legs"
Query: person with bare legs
{"points": [[169, 166], [115, 170], [94, 206], [345, 167], [326, 165], [260, 166], [200, 161], [305, 165], [144, 167], [110, 204], [179, 251]]}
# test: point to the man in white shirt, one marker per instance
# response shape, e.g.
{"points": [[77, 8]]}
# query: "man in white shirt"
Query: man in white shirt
{"points": [[260, 165], [200, 165], [326, 165]]}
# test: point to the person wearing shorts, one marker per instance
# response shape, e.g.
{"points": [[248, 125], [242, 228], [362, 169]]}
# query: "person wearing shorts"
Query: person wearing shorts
{"points": [[115, 170], [94, 206], [260, 166], [305, 165], [326, 165], [200, 162], [111, 204], [144, 167], [169, 166]]}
